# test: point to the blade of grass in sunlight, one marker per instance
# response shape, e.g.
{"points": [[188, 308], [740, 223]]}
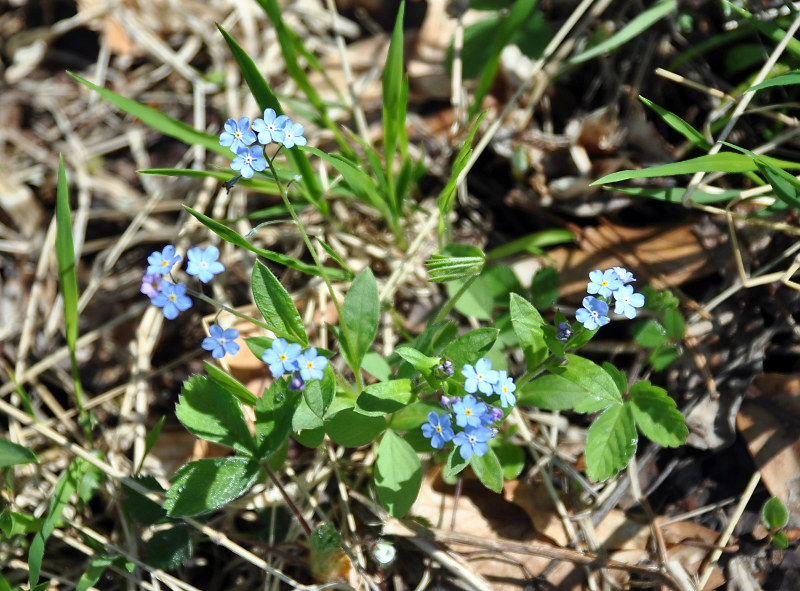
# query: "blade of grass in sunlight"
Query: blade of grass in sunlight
{"points": [[633, 29], [68, 280], [722, 162], [769, 29], [257, 184], [234, 238], [265, 98], [395, 90], [158, 120], [679, 125], [786, 79]]}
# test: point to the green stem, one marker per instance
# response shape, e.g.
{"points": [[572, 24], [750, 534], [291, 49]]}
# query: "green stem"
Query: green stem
{"points": [[215, 303], [449, 306]]}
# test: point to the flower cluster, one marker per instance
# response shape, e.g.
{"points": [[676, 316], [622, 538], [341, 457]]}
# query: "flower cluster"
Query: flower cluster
{"points": [[284, 357], [610, 285], [472, 415], [171, 296], [240, 137]]}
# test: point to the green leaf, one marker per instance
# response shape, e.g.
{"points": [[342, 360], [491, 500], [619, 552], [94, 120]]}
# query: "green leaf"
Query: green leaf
{"points": [[519, 12], [398, 474], [679, 125], [64, 489], [394, 108], [527, 323], [360, 315], [205, 485], [413, 416], [619, 377], [532, 243], [349, 428], [675, 194], [151, 439], [13, 523], [674, 324], [384, 398], [657, 415], [277, 306], [488, 470], [511, 458], [554, 392], [721, 162], [169, 549], [274, 412], [230, 383], [592, 378], [307, 427], [229, 235], [780, 540], [471, 346], [476, 301], [663, 356], [211, 412], [454, 465], [65, 251], [633, 29], [375, 365], [611, 442], [787, 79], [98, 566], [444, 267], [12, 454], [141, 508], [421, 362], [650, 334], [325, 544], [774, 513], [158, 120], [544, 288]]}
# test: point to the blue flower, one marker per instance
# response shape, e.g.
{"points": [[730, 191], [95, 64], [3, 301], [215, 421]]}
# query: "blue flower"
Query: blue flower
{"points": [[626, 302], [237, 135], [293, 135], [593, 314], [494, 414], [481, 377], [204, 263], [469, 411], [221, 342], [172, 299], [249, 160], [472, 441], [282, 357], [603, 283], [505, 387], [564, 332], [151, 284], [624, 275], [161, 263], [270, 128], [296, 383], [311, 364], [438, 429]]}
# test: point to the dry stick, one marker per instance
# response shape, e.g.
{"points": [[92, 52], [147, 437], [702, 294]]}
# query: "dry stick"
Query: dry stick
{"points": [[741, 106], [728, 532]]}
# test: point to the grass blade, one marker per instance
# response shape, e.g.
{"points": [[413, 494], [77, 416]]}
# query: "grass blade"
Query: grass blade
{"points": [[633, 29], [679, 125], [158, 120]]}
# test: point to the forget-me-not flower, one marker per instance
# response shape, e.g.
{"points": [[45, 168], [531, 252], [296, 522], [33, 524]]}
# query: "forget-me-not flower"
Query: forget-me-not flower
{"points": [[472, 441], [624, 275], [311, 364], [469, 411], [480, 377], [237, 134], [204, 263], [438, 429], [151, 284], [221, 342], [281, 357], [270, 128], [296, 383], [603, 283], [172, 299], [249, 160], [293, 135], [161, 263], [564, 332], [505, 387], [593, 314], [626, 301]]}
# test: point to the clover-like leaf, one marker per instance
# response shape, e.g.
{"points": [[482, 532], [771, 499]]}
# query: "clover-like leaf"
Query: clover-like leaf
{"points": [[657, 415]]}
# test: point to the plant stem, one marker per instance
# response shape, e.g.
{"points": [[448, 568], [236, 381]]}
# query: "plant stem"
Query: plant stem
{"points": [[292, 507], [449, 305], [215, 303]]}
